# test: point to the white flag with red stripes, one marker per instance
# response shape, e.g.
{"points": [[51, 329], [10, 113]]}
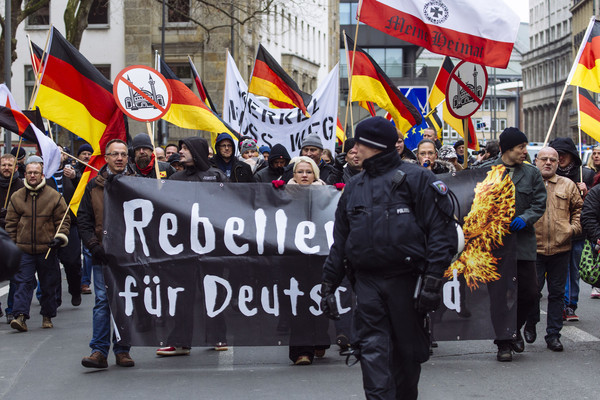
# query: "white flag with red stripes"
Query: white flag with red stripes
{"points": [[482, 32]]}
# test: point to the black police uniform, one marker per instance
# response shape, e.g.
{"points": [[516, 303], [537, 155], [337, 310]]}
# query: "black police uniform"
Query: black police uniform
{"points": [[390, 226]]}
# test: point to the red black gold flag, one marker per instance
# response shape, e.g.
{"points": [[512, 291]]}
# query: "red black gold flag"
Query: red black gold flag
{"points": [[200, 86], [585, 72], [589, 114], [270, 80], [370, 83], [188, 110]]}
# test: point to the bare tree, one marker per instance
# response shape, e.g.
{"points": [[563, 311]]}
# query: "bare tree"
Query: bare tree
{"points": [[76, 20], [20, 10]]}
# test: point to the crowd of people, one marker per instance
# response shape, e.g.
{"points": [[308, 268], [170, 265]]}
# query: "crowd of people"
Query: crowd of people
{"points": [[374, 168]]}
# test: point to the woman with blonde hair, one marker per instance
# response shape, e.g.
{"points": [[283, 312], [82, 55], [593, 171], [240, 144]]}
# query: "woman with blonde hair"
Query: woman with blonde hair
{"points": [[306, 172]]}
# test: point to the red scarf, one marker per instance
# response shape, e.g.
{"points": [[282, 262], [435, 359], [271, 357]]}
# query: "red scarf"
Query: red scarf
{"points": [[149, 167]]}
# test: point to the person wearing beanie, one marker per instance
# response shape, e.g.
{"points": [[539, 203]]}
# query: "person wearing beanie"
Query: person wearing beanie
{"points": [[265, 151], [569, 164], [20, 160], [279, 158], [143, 160], [419, 237], [448, 153], [226, 161], [175, 162], [312, 146], [249, 149], [530, 205]]}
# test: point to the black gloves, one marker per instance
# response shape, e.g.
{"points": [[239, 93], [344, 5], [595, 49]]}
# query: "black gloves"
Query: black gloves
{"points": [[55, 243], [430, 296], [339, 161], [328, 302], [98, 255]]}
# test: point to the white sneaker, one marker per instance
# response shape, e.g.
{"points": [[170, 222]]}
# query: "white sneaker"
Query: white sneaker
{"points": [[173, 351], [221, 346], [595, 293]]}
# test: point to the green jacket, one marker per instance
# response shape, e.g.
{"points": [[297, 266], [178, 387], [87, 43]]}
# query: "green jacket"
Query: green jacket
{"points": [[530, 205]]}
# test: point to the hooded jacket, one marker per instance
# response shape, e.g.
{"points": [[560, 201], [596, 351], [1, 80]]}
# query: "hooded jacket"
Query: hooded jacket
{"points": [[201, 171], [33, 216], [17, 183], [271, 173], [566, 145], [239, 171]]}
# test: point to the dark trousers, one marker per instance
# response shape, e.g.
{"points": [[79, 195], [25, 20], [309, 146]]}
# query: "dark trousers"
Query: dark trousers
{"points": [[553, 269], [391, 336], [527, 294], [49, 275], [70, 257]]}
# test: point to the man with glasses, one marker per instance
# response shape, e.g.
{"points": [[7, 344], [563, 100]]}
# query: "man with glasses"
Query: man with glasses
{"points": [[91, 226], [553, 232], [33, 218], [225, 160]]}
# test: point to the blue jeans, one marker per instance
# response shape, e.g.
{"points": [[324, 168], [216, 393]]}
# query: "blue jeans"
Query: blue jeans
{"points": [[101, 320], [49, 274], [86, 270], [572, 285]]}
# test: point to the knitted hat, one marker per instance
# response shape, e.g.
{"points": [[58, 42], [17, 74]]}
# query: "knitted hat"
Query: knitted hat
{"points": [[142, 140], [248, 145], [34, 159], [22, 152], [511, 137], [84, 147], [377, 133], [174, 158], [264, 149], [447, 152], [312, 140], [349, 144], [459, 142]]}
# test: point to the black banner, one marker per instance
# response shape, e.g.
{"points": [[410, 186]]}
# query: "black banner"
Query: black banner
{"points": [[200, 263]]}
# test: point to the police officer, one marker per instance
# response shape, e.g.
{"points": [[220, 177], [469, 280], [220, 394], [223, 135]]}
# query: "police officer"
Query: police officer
{"points": [[394, 228]]}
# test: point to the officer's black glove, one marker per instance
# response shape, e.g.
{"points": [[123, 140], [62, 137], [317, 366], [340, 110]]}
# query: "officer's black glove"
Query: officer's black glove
{"points": [[339, 161], [55, 243], [328, 302], [3, 212], [98, 255], [430, 296]]}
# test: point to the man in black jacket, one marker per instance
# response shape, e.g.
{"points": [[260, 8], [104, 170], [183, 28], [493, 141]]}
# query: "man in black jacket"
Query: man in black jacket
{"points": [[279, 158], [143, 162], [193, 154], [393, 222], [226, 161]]}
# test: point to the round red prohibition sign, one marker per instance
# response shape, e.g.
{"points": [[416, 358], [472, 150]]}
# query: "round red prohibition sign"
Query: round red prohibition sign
{"points": [[466, 89], [142, 93]]}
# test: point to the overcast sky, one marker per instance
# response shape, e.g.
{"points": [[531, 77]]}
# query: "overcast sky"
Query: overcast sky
{"points": [[521, 7]]}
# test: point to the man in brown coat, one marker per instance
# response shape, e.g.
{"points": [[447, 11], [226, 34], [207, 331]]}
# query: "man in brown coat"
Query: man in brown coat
{"points": [[33, 218], [553, 232]]}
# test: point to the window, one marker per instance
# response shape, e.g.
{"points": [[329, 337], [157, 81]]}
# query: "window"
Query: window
{"points": [[486, 105], [345, 11], [29, 82], [179, 11], [104, 70], [40, 18], [502, 104], [184, 72], [502, 123], [98, 13]]}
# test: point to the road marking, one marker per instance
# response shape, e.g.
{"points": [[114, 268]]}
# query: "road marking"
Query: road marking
{"points": [[578, 335], [3, 290]]}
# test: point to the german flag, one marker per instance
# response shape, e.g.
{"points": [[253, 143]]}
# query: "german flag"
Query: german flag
{"points": [[585, 72], [370, 83], [73, 93], [438, 95], [270, 80], [188, 110], [200, 86], [589, 114]]}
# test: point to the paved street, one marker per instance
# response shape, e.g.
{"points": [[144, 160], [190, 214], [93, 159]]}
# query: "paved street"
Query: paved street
{"points": [[45, 364]]}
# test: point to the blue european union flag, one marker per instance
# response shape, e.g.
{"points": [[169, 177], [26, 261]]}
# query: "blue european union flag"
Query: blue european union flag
{"points": [[417, 95]]}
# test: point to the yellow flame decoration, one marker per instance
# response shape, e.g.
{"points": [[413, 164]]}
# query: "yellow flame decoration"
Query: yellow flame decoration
{"points": [[485, 226]]}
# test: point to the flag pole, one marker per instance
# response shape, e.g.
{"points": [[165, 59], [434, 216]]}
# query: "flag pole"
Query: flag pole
{"points": [[562, 96], [38, 76], [156, 169], [351, 70], [579, 133], [79, 161], [465, 123], [58, 230], [13, 172], [348, 102]]}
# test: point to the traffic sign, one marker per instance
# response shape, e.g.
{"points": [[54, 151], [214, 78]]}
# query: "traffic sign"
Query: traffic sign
{"points": [[466, 89], [142, 93]]}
